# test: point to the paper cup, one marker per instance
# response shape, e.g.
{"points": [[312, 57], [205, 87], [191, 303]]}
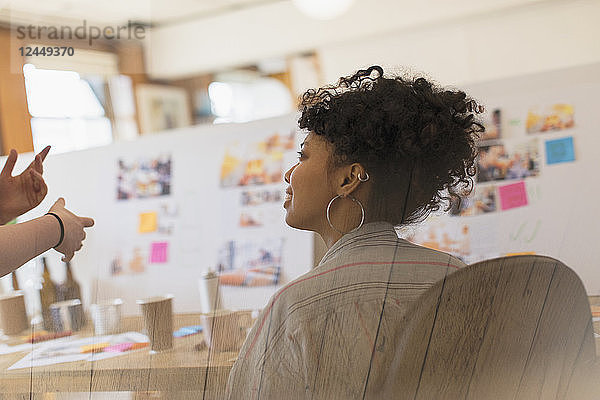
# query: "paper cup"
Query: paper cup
{"points": [[208, 288], [225, 330], [67, 315], [158, 321], [13, 316], [106, 316]]}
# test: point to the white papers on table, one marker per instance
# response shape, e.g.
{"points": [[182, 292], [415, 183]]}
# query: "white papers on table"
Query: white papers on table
{"points": [[69, 350], [7, 349]]}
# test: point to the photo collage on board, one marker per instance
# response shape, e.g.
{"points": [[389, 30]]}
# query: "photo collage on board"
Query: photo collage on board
{"points": [[136, 180], [506, 167], [514, 159], [253, 174]]}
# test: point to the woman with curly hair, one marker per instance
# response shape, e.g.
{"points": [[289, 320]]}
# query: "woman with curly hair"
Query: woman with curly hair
{"points": [[381, 152]]}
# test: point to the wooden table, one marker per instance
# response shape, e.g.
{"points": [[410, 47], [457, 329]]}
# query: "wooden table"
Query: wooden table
{"points": [[181, 369], [180, 373]]}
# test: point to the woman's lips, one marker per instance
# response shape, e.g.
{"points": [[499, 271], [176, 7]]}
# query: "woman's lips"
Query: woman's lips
{"points": [[287, 199]]}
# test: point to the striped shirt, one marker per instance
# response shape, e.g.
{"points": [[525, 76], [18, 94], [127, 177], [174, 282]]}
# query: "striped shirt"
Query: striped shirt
{"points": [[330, 333]]}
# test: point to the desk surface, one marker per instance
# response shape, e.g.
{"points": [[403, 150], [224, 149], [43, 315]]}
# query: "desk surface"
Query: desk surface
{"points": [[182, 368]]}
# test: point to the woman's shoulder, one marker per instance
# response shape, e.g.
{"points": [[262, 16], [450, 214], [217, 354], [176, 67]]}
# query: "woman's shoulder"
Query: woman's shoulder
{"points": [[423, 253], [400, 250], [360, 265]]}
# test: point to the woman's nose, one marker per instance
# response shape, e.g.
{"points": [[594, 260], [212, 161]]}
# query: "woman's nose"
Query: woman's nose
{"points": [[288, 174]]}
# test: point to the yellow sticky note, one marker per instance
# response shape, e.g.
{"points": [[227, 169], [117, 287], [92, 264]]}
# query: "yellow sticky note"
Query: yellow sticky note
{"points": [[147, 222], [93, 348]]}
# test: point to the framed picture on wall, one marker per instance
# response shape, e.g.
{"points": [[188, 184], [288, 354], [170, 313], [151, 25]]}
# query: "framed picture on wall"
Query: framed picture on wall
{"points": [[162, 108]]}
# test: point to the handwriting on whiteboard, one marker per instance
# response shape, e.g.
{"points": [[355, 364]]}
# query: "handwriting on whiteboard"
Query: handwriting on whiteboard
{"points": [[526, 232]]}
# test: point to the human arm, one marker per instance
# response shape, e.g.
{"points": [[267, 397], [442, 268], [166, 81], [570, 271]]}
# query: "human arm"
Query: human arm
{"points": [[21, 193], [21, 242]]}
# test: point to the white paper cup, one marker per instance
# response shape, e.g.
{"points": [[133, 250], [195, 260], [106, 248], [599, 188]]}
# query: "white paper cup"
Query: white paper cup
{"points": [[107, 316], [210, 296]]}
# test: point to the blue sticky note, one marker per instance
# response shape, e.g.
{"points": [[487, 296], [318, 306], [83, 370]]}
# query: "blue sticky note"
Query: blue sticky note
{"points": [[560, 150], [187, 330]]}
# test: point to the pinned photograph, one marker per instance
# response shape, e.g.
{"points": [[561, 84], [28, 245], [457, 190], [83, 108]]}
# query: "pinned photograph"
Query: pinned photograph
{"points": [[443, 235], [482, 200], [258, 197], [511, 160], [256, 163], [167, 218], [133, 262], [493, 125], [250, 262], [550, 118], [144, 177], [259, 216], [250, 219]]}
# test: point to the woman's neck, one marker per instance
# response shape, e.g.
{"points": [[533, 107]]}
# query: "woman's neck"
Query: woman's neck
{"points": [[329, 235]]}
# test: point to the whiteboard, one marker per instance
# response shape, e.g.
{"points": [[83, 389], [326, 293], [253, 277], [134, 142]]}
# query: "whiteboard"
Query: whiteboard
{"points": [[567, 193]]}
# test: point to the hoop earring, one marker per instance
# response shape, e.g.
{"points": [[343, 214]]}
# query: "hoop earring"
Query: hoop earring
{"points": [[366, 178], [362, 216]]}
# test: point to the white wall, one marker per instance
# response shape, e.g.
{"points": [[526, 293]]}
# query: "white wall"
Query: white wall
{"points": [[531, 39], [454, 41]]}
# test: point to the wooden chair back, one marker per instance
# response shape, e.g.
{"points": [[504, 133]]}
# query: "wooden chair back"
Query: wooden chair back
{"points": [[509, 328]]}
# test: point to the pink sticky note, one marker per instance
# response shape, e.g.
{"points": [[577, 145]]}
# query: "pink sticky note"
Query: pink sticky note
{"points": [[158, 252], [513, 195], [118, 348]]}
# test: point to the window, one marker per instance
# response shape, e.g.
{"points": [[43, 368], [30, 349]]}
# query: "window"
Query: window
{"points": [[66, 113], [235, 101]]}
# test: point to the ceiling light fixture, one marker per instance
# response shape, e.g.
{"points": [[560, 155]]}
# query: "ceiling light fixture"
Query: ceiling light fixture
{"points": [[323, 9]]}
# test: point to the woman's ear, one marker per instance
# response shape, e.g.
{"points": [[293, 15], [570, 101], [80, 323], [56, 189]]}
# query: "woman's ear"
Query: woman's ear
{"points": [[349, 178]]}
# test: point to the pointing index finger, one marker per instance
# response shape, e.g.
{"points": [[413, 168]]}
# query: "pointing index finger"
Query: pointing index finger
{"points": [[39, 159], [87, 222], [44, 153]]}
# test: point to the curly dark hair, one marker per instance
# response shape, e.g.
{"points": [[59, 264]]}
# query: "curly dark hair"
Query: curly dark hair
{"points": [[416, 140]]}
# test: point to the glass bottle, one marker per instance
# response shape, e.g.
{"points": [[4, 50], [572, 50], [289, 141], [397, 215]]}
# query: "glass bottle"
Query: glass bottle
{"points": [[15, 282], [47, 297], [70, 289]]}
